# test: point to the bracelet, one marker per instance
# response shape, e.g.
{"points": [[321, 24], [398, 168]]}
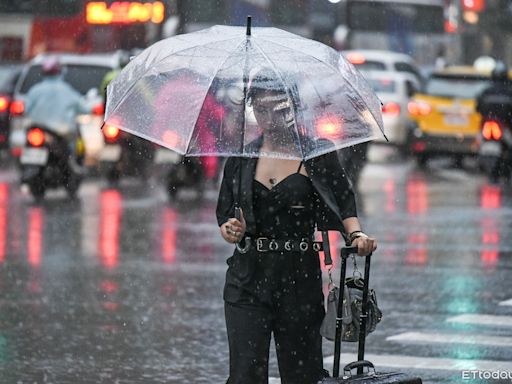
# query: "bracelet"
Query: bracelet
{"points": [[354, 235]]}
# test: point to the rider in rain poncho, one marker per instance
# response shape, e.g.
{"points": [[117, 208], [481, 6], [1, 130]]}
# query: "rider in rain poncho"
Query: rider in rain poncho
{"points": [[54, 103]]}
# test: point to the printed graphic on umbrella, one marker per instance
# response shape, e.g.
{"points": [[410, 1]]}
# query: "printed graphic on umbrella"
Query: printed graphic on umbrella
{"points": [[191, 93]]}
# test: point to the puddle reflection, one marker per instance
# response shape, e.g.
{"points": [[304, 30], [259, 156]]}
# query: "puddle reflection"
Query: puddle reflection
{"points": [[35, 236], [417, 204], [169, 224], [4, 204], [110, 223], [490, 199], [417, 195]]}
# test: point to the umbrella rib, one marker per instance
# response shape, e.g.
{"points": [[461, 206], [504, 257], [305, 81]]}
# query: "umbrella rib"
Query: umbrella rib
{"points": [[287, 92], [208, 89], [336, 70], [122, 99]]}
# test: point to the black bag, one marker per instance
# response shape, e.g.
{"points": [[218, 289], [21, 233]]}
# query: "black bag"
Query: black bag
{"points": [[370, 376]]}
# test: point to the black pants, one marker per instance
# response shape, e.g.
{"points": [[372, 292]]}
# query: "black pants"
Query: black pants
{"points": [[282, 302]]}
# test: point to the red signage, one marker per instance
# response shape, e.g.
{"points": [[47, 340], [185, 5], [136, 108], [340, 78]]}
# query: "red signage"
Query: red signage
{"points": [[124, 12], [473, 5]]}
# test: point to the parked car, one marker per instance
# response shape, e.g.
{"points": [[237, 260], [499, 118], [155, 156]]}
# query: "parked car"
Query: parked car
{"points": [[444, 118], [367, 60], [394, 91], [9, 74], [85, 73]]}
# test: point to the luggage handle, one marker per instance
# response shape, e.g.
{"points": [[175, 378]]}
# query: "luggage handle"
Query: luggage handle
{"points": [[358, 364], [347, 251]]}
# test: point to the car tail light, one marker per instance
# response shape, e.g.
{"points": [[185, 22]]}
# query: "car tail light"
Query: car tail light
{"points": [[4, 103], [392, 109], [17, 108], [329, 127], [491, 130], [419, 108], [111, 133], [35, 137], [98, 109], [356, 58]]}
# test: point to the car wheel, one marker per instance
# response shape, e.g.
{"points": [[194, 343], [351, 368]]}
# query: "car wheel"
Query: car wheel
{"points": [[422, 160], [37, 189]]}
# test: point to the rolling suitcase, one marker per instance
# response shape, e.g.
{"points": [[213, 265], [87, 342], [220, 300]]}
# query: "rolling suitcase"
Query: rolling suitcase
{"points": [[370, 376]]}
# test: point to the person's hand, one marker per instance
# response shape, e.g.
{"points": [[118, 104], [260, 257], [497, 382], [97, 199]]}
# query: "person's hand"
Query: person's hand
{"points": [[365, 245], [233, 230]]}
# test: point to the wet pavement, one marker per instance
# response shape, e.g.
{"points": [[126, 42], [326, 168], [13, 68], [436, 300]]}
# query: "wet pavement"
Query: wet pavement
{"points": [[123, 286]]}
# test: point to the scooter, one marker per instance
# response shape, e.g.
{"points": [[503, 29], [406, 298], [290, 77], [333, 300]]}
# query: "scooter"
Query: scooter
{"points": [[495, 152], [46, 162], [125, 155], [187, 172]]}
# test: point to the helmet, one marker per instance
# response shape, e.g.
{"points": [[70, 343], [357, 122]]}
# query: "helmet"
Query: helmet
{"points": [[500, 72], [123, 57], [51, 66]]}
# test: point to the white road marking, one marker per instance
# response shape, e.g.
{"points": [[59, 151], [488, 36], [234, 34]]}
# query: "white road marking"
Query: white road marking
{"points": [[506, 302], [447, 338], [427, 363], [417, 362], [470, 318]]}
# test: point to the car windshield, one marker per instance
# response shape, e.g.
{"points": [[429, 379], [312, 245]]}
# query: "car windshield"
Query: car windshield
{"points": [[81, 77], [464, 87], [369, 65], [382, 85], [7, 72]]}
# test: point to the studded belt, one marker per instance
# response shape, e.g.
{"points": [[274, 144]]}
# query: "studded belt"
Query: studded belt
{"points": [[265, 244]]}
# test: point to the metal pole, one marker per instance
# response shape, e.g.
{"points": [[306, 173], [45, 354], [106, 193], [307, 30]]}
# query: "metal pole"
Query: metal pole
{"points": [[242, 136]]}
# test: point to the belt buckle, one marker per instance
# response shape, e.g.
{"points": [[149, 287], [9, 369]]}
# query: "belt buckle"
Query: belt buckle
{"points": [[259, 244]]}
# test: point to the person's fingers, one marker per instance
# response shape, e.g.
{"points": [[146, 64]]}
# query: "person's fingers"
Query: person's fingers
{"points": [[365, 246]]}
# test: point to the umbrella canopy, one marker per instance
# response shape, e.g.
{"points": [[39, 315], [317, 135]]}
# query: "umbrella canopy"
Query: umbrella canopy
{"points": [[194, 94]]}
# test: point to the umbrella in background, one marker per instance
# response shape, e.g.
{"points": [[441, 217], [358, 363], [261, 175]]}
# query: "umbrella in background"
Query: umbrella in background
{"points": [[189, 93]]}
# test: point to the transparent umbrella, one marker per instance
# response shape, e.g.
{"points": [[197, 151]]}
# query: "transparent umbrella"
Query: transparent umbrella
{"points": [[193, 93]]}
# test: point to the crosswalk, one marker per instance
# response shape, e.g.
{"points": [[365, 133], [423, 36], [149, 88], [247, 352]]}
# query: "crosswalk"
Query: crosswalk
{"points": [[506, 302], [485, 323]]}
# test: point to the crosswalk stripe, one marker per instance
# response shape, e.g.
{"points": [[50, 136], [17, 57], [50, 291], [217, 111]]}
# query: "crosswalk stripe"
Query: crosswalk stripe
{"points": [[506, 302], [427, 363], [499, 341], [417, 362], [470, 318]]}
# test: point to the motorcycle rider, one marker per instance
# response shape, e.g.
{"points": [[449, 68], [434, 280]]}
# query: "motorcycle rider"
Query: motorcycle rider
{"points": [[55, 104], [138, 153], [495, 103]]}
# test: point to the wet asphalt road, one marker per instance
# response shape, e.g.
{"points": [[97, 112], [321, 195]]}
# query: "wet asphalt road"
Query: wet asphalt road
{"points": [[123, 286]]}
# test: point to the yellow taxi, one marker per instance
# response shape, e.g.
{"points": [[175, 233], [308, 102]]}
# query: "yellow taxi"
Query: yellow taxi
{"points": [[443, 116]]}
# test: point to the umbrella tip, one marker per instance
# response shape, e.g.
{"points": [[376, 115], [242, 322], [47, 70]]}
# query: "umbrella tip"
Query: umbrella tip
{"points": [[249, 21]]}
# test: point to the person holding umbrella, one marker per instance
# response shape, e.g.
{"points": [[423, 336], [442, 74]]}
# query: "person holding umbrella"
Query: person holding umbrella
{"points": [[273, 283], [282, 179]]}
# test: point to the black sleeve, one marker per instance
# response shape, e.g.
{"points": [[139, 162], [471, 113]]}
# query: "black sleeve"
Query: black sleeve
{"points": [[226, 201], [336, 178]]}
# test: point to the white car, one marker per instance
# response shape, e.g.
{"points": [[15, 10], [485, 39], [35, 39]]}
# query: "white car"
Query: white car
{"points": [[394, 91], [85, 73], [366, 60]]}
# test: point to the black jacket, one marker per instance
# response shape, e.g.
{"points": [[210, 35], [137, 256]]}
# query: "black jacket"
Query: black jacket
{"points": [[335, 199], [495, 102]]}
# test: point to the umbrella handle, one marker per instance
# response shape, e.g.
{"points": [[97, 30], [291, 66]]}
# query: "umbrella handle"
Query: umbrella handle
{"points": [[238, 216]]}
